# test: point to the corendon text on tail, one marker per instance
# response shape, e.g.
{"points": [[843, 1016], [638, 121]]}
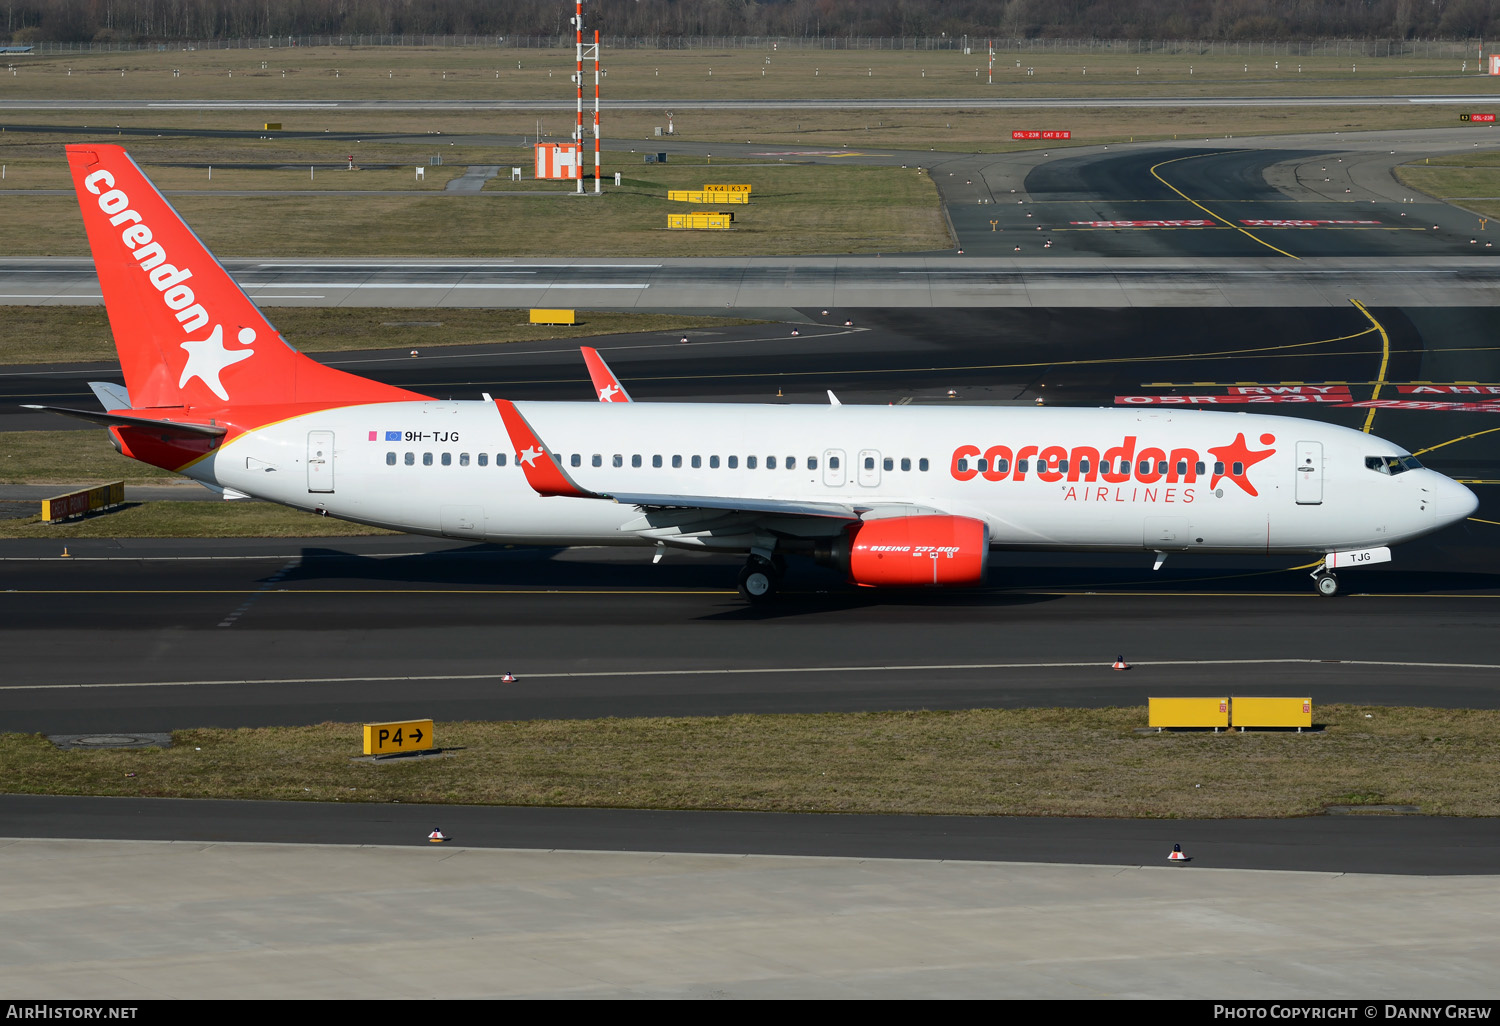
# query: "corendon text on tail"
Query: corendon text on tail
{"points": [[893, 496]]}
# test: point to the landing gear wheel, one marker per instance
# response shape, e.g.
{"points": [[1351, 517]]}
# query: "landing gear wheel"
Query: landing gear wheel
{"points": [[758, 581], [1326, 583]]}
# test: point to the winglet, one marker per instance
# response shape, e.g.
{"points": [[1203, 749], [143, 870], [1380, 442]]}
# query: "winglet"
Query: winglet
{"points": [[605, 383], [542, 470]]}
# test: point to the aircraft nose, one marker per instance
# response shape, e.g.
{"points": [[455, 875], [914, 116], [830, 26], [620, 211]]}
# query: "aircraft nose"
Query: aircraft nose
{"points": [[1454, 501]]}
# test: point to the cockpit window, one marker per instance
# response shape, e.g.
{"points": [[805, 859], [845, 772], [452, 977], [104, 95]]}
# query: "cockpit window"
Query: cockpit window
{"points": [[1392, 465]]}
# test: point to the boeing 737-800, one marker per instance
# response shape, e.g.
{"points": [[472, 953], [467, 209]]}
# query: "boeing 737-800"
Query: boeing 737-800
{"points": [[891, 495]]}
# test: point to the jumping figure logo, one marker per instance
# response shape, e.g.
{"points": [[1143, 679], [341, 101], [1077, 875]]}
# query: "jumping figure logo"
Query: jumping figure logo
{"points": [[207, 358]]}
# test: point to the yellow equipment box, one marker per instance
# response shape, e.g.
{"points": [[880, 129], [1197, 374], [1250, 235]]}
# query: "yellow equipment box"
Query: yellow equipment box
{"points": [[1272, 712], [554, 317], [705, 196], [397, 737], [700, 219], [273, 126], [1188, 712]]}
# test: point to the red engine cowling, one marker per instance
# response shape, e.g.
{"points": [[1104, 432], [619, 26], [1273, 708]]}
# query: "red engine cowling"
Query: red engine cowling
{"points": [[906, 552]]}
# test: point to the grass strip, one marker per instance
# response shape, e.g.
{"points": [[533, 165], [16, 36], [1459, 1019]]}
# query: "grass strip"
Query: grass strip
{"points": [[1028, 762], [191, 519], [1471, 180]]}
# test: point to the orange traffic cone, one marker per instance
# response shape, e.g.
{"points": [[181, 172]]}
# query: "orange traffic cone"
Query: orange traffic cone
{"points": [[1120, 663], [509, 678], [1177, 855], [436, 837]]}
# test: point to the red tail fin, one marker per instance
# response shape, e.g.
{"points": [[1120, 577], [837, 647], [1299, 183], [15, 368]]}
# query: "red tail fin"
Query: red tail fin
{"points": [[187, 335]]}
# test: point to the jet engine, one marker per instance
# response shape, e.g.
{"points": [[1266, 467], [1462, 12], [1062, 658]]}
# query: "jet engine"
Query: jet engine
{"points": [[908, 552]]}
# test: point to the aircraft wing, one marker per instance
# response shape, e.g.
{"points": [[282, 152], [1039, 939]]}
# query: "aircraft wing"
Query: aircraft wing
{"points": [[605, 383]]}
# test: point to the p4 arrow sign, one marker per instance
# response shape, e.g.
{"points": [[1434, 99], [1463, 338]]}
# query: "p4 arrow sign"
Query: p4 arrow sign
{"points": [[398, 737]]}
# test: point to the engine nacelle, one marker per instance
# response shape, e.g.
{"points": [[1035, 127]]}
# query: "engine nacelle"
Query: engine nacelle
{"points": [[907, 552]]}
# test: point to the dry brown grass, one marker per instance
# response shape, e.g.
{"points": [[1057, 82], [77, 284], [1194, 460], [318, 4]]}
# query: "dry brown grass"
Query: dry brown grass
{"points": [[1038, 762]]}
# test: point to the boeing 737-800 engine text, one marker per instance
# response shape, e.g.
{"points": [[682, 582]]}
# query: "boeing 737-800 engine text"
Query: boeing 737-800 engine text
{"points": [[891, 495]]}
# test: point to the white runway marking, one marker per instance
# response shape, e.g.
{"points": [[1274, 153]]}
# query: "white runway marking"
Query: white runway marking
{"points": [[722, 671]]}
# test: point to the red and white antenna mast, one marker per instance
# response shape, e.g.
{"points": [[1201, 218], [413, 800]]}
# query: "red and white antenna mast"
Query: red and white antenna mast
{"points": [[582, 52], [992, 62]]}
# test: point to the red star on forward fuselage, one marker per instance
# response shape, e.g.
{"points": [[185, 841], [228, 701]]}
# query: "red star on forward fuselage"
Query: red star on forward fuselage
{"points": [[1239, 452]]}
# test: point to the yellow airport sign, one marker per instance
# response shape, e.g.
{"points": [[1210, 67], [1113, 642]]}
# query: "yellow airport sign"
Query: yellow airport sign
{"points": [[1188, 712], [726, 188], [397, 737], [553, 316], [1273, 712]]}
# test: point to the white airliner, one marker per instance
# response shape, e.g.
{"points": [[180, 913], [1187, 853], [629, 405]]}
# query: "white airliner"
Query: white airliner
{"points": [[891, 495]]}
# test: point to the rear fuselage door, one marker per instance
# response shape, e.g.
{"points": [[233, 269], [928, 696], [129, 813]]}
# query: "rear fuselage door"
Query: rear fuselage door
{"points": [[320, 461], [1309, 473]]}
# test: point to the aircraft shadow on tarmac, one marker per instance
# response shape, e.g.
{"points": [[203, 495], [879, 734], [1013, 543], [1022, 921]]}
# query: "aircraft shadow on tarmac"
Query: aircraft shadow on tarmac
{"points": [[808, 588]]}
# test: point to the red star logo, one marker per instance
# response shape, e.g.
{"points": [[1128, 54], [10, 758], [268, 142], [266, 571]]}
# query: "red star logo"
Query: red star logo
{"points": [[1240, 452]]}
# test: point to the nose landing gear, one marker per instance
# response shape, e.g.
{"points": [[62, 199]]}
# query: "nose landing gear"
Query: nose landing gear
{"points": [[1326, 583]]}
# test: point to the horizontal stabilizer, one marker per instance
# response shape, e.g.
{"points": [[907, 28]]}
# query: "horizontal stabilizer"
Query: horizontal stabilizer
{"points": [[168, 427]]}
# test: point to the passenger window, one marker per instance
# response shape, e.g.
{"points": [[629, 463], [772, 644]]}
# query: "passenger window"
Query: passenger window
{"points": [[390, 459], [791, 463], [906, 463], [427, 459], [734, 462], [484, 459], [1200, 468], [963, 464], [463, 459], [447, 459], [1161, 466], [750, 463], [1002, 465], [1182, 468], [1143, 467], [922, 465], [575, 460], [1062, 466], [812, 463], [676, 462], [1218, 467], [598, 460], [869, 462], [619, 460], [635, 461], [770, 462], [1239, 468], [833, 463], [499, 459], [889, 463], [656, 462], [982, 465], [713, 463], [411, 459], [1083, 466], [1022, 466], [697, 462]]}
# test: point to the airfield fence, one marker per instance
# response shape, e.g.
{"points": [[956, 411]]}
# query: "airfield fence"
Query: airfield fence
{"points": [[1420, 48]]}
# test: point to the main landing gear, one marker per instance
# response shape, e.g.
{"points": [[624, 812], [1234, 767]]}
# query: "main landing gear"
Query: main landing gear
{"points": [[760, 578]]}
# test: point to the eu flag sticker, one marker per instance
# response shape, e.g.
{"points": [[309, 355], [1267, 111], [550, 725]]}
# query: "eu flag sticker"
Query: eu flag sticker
{"points": [[393, 436]]}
